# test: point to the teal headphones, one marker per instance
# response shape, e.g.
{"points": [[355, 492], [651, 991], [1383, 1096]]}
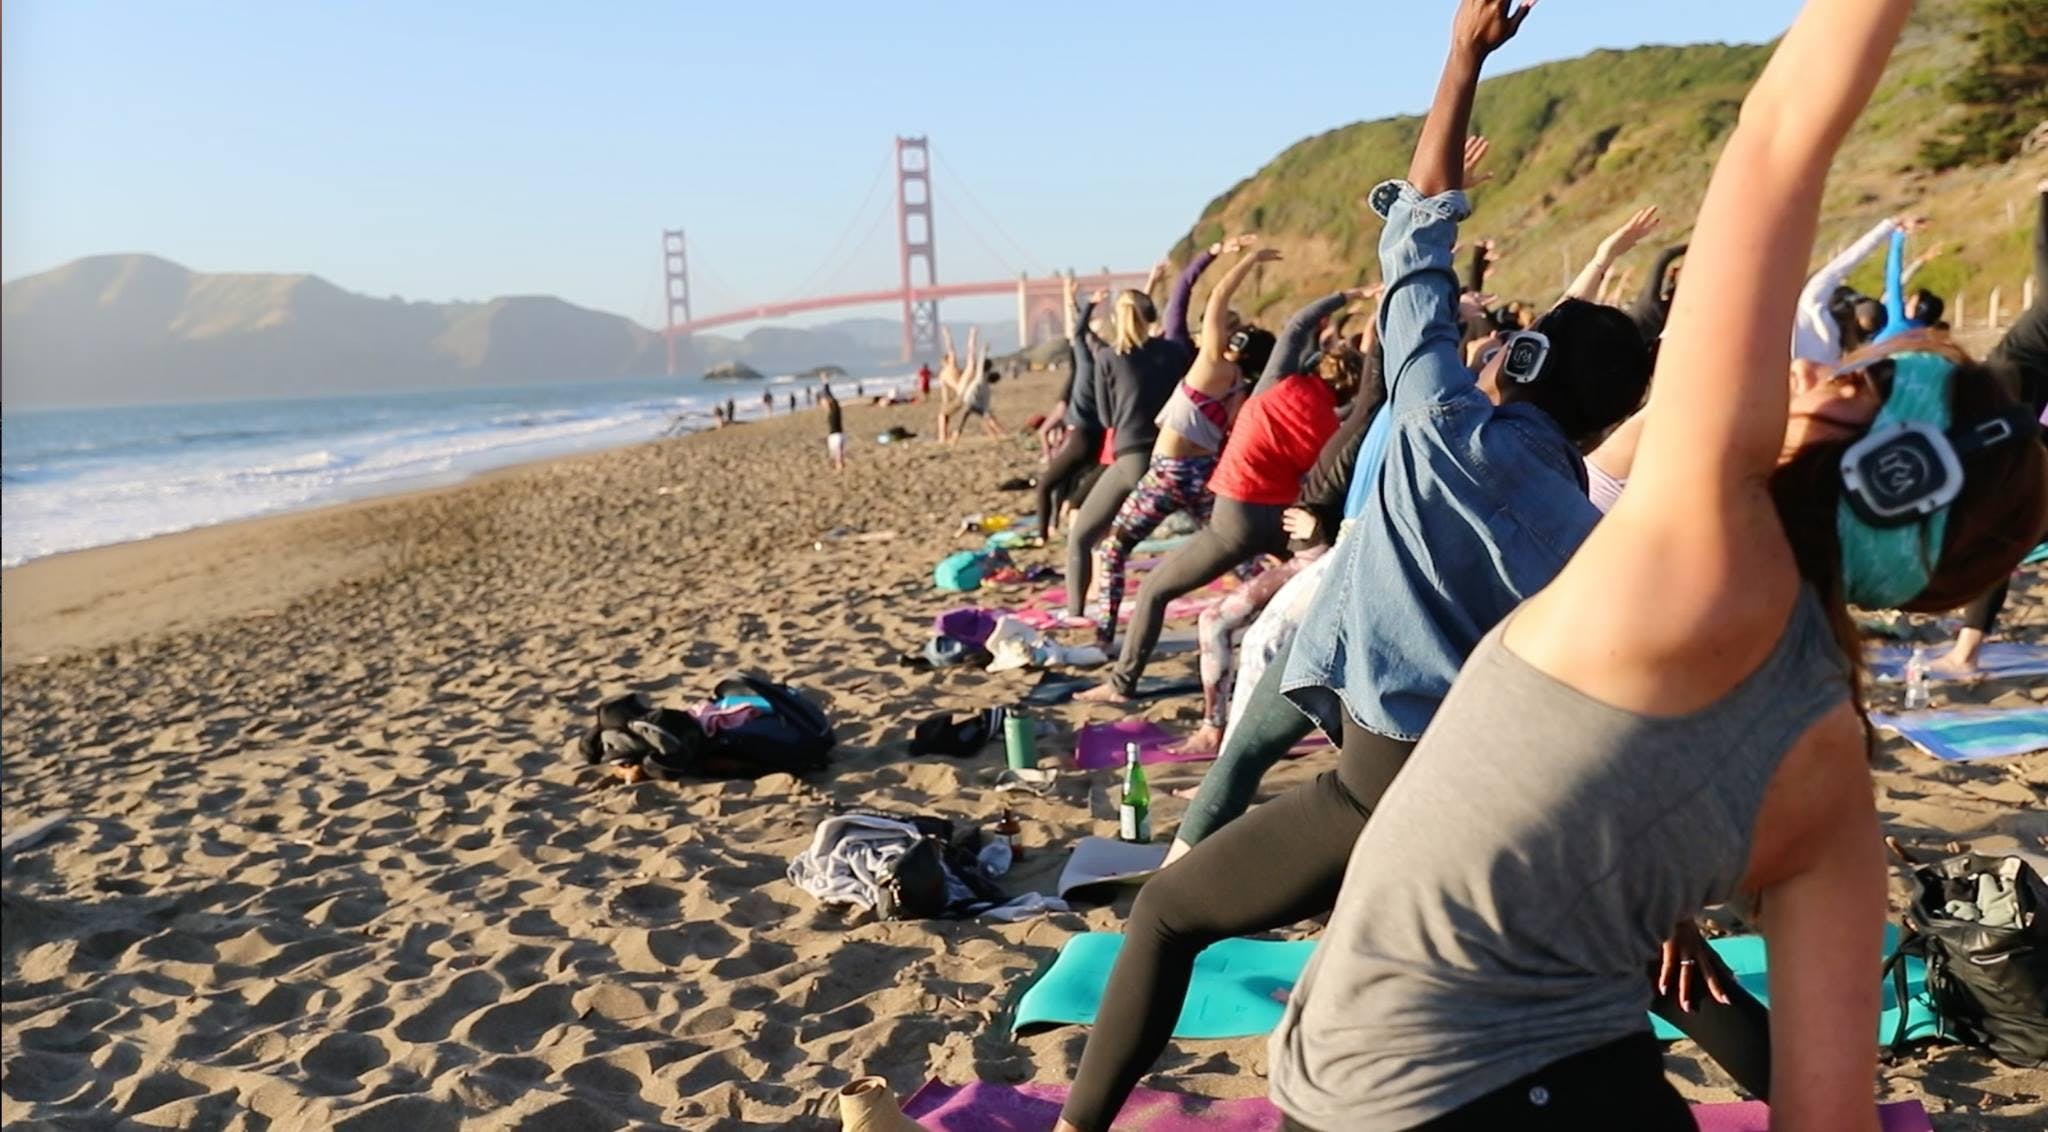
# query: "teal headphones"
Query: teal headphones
{"points": [[1900, 478]]}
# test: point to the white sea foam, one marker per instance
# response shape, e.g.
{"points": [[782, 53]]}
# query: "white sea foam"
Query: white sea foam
{"points": [[84, 478]]}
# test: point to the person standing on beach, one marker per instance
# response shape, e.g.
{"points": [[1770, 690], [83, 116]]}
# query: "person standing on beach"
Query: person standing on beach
{"points": [[835, 429], [924, 382], [767, 403]]}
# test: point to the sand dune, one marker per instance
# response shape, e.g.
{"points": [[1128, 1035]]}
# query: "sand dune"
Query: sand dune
{"points": [[329, 864]]}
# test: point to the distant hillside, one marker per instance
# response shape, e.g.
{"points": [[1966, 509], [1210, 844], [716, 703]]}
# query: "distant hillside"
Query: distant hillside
{"points": [[1578, 144], [138, 329]]}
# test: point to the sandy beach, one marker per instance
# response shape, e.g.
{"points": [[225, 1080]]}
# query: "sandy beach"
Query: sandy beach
{"points": [[329, 860]]}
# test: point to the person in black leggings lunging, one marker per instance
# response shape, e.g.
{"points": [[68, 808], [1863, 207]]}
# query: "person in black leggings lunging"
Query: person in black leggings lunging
{"points": [[1135, 376], [1083, 441]]}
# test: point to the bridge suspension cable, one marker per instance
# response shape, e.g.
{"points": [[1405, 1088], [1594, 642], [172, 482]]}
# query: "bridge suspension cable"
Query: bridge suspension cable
{"points": [[958, 184], [819, 274]]}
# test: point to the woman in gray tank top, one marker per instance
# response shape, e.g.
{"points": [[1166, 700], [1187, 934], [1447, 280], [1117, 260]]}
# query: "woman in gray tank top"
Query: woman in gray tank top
{"points": [[1672, 723]]}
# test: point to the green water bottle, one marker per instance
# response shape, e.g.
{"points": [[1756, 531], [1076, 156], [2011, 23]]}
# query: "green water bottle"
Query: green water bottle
{"points": [[1134, 816]]}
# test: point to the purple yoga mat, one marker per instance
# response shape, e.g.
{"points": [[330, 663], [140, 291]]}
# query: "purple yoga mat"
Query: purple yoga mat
{"points": [[983, 1107], [1101, 745], [1755, 1116]]}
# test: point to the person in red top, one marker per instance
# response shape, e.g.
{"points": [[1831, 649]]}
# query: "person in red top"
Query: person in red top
{"points": [[924, 382], [1277, 437]]}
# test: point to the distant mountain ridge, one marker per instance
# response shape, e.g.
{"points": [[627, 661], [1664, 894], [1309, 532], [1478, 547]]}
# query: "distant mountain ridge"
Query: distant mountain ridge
{"points": [[126, 329]]}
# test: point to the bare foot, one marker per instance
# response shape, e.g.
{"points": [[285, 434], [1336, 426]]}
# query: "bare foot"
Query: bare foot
{"points": [[1104, 693], [1207, 740], [1954, 667]]}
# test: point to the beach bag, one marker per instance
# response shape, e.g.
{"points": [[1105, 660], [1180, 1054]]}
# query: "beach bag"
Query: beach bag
{"points": [[789, 735], [786, 733], [961, 571], [1987, 970]]}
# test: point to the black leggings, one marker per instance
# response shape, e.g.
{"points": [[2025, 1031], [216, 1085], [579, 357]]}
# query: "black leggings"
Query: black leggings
{"points": [[1093, 521], [1278, 865], [1236, 534], [1618, 1085], [1074, 456]]}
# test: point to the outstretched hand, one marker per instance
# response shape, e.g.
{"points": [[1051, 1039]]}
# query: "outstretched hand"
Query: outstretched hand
{"points": [[1363, 294], [1912, 224], [1631, 233], [1101, 295], [1476, 149], [1238, 243], [1482, 26]]}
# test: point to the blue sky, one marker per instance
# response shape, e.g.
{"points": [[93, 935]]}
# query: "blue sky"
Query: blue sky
{"points": [[464, 150]]}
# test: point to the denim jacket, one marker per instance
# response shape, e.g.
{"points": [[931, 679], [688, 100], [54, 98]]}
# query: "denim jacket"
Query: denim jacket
{"points": [[1468, 507]]}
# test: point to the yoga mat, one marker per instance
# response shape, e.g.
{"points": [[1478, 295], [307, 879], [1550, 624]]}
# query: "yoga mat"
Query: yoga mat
{"points": [[1755, 1116], [1239, 987], [980, 1106], [1101, 745], [1997, 661], [1967, 734], [1744, 955], [1056, 688], [1108, 863]]}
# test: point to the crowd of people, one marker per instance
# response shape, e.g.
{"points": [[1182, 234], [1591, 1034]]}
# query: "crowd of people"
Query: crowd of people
{"points": [[1568, 585]]}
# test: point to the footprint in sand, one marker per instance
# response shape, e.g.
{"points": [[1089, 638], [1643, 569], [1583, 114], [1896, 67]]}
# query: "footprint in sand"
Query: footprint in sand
{"points": [[520, 1023], [337, 1060], [469, 992]]}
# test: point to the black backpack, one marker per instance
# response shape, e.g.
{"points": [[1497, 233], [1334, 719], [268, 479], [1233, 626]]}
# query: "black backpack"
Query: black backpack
{"points": [[792, 736], [1988, 984]]}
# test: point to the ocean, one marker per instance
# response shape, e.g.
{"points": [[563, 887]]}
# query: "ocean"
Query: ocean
{"points": [[77, 478]]}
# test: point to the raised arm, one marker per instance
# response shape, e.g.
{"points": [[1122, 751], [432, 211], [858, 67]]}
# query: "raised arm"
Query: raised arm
{"points": [[1718, 404], [1176, 320], [1293, 343], [1815, 336], [1153, 276], [1895, 285], [1217, 313], [1479, 29], [1586, 287], [1650, 303], [2041, 241], [1482, 258]]}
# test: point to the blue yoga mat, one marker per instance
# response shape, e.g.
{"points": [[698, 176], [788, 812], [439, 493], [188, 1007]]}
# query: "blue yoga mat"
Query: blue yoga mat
{"points": [[1744, 955], [1964, 735], [1999, 660], [1239, 988]]}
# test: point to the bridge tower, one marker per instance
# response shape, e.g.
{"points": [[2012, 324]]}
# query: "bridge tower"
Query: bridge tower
{"points": [[675, 266], [914, 241]]}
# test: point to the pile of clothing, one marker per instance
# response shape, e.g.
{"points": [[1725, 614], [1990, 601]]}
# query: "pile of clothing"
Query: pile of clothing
{"points": [[1991, 899], [906, 868]]}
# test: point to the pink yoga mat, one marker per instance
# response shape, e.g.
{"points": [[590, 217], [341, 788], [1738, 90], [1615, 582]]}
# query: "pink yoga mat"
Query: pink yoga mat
{"points": [[1100, 745], [984, 1107], [1053, 615]]}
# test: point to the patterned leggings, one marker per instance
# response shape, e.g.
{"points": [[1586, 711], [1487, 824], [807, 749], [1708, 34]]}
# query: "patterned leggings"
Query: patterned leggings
{"points": [[1171, 483], [1223, 619]]}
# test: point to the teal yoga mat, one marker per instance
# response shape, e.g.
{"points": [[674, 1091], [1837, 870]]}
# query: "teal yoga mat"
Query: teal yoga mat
{"points": [[1744, 955], [1239, 988]]}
